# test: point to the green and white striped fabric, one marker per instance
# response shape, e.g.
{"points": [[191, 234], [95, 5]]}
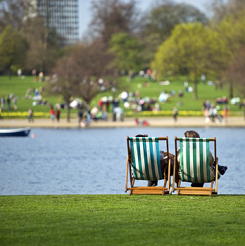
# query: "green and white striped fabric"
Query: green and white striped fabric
{"points": [[194, 160], [145, 158]]}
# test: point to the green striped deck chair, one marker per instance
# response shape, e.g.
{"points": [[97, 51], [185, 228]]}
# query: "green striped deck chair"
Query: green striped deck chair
{"points": [[143, 163], [194, 164]]}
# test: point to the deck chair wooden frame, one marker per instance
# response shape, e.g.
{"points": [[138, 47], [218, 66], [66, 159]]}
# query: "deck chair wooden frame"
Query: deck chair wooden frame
{"points": [[191, 170], [146, 158]]}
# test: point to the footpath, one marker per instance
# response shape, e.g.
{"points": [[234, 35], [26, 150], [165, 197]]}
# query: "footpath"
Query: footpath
{"points": [[190, 122]]}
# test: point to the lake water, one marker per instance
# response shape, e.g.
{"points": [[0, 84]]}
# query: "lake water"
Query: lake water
{"points": [[93, 161]]}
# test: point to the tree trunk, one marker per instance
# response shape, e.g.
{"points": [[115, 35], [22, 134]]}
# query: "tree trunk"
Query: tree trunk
{"points": [[68, 112], [10, 74], [231, 89], [195, 88]]}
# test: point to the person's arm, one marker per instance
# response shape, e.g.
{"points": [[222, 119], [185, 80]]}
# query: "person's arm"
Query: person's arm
{"points": [[211, 159]]}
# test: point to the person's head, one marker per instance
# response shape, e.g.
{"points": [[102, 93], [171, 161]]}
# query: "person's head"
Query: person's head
{"points": [[191, 134], [141, 135]]}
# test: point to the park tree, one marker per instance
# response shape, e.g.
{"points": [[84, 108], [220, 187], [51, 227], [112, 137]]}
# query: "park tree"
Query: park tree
{"points": [[83, 72], [12, 50], [40, 55], [127, 52], [113, 16], [221, 9], [66, 84], [232, 32], [235, 71], [12, 12], [166, 14], [94, 64], [192, 49], [161, 20], [149, 44]]}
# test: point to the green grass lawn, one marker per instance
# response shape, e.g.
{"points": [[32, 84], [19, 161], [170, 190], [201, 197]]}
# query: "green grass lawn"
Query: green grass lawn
{"points": [[19, 87], [122, 220]]}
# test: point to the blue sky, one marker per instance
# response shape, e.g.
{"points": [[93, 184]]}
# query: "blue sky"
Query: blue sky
{"points": [[85, 13]]}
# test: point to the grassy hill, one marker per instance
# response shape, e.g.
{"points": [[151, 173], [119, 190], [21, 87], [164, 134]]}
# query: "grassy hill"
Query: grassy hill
{"points": [[144, 86]]}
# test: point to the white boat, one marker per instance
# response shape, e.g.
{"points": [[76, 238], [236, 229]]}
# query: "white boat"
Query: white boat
{"points": [[15, 132]]}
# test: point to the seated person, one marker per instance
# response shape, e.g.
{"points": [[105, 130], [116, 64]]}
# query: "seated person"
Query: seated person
{"points": [[221, 169], [164, 167], [142, 123], [163, 162]]}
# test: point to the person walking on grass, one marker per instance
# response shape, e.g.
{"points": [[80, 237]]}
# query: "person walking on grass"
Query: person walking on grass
{"points": [[226, 113], [52, 113], [175, 113], [57, 113], [80, 117], [30, 115]]}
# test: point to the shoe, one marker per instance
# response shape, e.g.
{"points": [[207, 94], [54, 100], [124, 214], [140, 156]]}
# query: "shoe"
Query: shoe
{"points": [[152, 183], [222, 169]]}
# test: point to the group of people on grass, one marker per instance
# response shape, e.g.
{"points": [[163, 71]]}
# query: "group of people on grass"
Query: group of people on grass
{"points": [[6, 103], [211, 112]]}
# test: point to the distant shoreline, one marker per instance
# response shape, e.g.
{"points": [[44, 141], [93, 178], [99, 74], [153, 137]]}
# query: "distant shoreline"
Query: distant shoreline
{"points": [[128, 122]]}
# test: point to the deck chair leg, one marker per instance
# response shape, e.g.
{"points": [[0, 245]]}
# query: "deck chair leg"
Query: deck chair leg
{"points": [[132, 182], [178, 192], [174, 173], [212, 183], [216, 175], [164, 185], [126, 181], [211, 188], [132, 185], [169, 171]]}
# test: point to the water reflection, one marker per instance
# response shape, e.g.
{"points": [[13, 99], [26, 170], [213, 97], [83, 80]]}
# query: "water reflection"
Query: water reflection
{"points": [[93, 161]]}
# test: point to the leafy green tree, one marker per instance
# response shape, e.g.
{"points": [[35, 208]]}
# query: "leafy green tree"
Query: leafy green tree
{"points": [[235, 71], [159, 22], [12, 50], [167, 14], [127, 52], [149, 44], [192, 49], [40, 54], [232, 32]]}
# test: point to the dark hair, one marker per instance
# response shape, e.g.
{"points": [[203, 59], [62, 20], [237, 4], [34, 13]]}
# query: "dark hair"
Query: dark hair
{"points": [[191, 134], [141, 135]]}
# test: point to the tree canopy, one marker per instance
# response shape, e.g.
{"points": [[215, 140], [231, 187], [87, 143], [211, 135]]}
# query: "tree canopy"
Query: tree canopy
{"points": [[191, 49], [12, 50], [113, 16], [41, 54], [172, 37], [235, 71], [84, 72], [161, 20], [127, 52], [166, 15]]}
